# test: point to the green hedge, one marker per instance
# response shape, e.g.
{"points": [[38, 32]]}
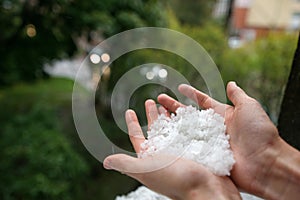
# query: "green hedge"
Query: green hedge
{"points": [[38, 162]]}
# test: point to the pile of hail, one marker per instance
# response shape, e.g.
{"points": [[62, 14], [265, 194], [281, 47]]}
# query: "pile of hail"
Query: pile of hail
{"points": [[193, 134]]}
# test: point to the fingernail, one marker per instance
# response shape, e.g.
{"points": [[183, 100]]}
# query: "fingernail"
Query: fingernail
{"points": [[128, 115], [150, 101], [184, 85], [234, 83], [107, 165]]}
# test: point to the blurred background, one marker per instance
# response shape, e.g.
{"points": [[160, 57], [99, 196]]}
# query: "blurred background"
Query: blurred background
{"points": [[43, 42]]}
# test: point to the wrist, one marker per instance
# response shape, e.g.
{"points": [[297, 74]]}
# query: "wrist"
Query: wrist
{"points": [[281, 179], [221, 188]]}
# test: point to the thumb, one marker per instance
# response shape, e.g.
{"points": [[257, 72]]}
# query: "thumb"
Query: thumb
{"points": [[121, 162], [235, 94], [134, 166], [125, 164]]}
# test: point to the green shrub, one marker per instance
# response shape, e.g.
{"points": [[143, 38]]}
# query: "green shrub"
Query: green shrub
{"points": [[261, 68], [37, 161]]}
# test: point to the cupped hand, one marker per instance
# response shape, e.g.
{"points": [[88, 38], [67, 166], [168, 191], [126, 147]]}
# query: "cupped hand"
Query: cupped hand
{"points": [[176, 178], [254, 139]]}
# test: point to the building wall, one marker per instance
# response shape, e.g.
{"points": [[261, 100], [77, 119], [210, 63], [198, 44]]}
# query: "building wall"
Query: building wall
{"points": [[255, 18], [239, 17], [275, 14]]}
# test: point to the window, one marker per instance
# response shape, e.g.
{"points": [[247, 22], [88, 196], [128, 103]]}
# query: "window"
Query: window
{"points": [[295, 21]]}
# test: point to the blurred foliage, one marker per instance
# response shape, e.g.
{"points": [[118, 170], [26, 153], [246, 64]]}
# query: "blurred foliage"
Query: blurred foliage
{"points": [[210, 36], [37, 160], [256, 66], [37, 31], [192, 12], [21, 97], [42, 156], [262, 68]]}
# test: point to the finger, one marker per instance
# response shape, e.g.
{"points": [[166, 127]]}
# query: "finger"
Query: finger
{"points": [[163, 111], [121, 163], [235, 94], [134, 130], [169, 103], [133, 166], [151, 112], [200, 98]]}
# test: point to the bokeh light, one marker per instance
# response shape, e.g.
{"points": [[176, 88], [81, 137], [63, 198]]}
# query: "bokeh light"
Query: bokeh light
{"points": [[150, 75], [105, 57], [163, 73], [30, 30], [95, 58]]}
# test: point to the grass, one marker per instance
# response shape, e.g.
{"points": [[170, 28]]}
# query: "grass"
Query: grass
{"points": [[21, 97], [54, 90]]}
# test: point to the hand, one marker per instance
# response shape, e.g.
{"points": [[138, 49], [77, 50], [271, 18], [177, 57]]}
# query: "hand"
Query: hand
{"points": [[180, 179], [263, 159]]}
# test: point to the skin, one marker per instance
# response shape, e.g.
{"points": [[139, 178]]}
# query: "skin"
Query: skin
{"points": [[176, 178], [265, 164]]}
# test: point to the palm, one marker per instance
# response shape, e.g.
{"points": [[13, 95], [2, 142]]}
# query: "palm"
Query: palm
{"points": [[250, 130], [251, 134], [166, 174]]}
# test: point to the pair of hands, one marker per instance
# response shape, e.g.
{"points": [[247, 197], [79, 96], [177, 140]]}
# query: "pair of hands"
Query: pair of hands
{"points": [[254, 140]]}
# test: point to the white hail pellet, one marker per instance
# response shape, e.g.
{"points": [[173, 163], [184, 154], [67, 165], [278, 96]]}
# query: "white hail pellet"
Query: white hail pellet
{"points": [[193, 134]]}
